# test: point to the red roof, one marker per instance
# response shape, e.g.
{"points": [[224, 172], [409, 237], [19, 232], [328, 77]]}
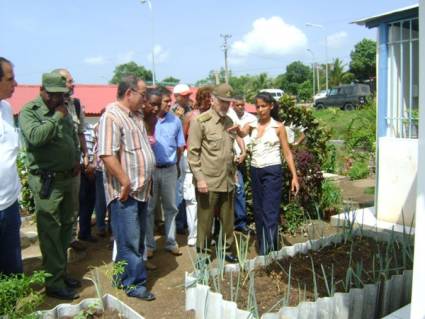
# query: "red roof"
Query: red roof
{"points": [[94, 97]]}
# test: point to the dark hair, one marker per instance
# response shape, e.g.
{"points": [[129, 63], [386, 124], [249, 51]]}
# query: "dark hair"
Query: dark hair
{"points": [[3, 61], [239, 98], [128, 82], [164, 91], [269, 99], [202, 93], [154, 92]]}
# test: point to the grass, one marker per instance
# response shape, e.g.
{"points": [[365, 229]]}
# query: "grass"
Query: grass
{"points": [[336, 120]]}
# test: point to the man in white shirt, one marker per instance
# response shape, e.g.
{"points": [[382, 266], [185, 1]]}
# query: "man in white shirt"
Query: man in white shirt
{"points": [[10, 220], [240, 117]]}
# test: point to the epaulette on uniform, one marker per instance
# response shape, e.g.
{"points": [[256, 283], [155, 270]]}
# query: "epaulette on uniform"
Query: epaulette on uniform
{"points": [[204, 117]]}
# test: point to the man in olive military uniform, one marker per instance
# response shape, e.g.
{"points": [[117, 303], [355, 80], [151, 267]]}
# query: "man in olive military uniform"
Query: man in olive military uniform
{"points": [[77, 114], [211, 159], [53, 161]]}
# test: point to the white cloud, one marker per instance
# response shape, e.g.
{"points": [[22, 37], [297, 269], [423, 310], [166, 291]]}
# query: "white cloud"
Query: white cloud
{"points": [[337, 40], [95, 60], [270, 37], [126, 56], [160, 54]]}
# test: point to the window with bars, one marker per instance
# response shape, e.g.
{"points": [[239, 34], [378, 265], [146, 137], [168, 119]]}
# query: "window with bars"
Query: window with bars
{"points": [[403, 78]]}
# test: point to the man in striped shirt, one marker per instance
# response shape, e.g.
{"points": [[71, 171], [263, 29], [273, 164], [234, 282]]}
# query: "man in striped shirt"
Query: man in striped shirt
{"points": [[129, 162]]}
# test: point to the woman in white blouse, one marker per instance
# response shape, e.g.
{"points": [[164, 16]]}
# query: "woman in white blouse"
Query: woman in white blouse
{"points": [[269, 143]]}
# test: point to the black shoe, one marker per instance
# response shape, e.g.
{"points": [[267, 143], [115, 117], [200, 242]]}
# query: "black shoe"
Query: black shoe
{"points": [[90, 239], [146, 296], [62, 293], [244, 230], [72, 282], [231, 259]]}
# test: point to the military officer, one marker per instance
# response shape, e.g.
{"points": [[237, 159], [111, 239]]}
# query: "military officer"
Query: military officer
{"points": [[53, 161], [211, 159]]}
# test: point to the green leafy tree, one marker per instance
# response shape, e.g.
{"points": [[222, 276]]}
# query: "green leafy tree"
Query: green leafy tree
{"points": [[337, 72], [363, 60], [296, 74], [131, 68], [170, 80]]}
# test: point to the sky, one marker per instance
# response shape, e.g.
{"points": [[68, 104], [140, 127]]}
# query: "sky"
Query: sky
{"points": [[91, 37]]}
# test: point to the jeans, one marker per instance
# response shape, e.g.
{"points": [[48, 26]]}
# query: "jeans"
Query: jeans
{"points": [[10, 242], [87, 203], [267, 195], [240, 203], [100, 206], [164, 192], [128, 225]]}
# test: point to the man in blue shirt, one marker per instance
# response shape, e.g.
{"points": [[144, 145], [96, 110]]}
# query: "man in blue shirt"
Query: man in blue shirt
{"points": [[167, 147]]}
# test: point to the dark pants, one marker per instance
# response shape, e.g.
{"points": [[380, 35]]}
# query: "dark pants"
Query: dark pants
{"points": [[100, 207], [87, 202], [240, 203], [267, 195], [128, 225], [10, 242], [55, 217]]}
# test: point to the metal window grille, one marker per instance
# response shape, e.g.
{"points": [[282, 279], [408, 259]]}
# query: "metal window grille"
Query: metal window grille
{"points": [[403, 79]]}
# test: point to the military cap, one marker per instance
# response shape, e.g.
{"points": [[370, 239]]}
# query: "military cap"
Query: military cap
{"points": [[224, 92], [54, 83]]}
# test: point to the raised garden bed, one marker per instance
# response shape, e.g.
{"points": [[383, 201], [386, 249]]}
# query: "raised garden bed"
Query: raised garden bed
{"points": [[359, 274], [91, 308]]}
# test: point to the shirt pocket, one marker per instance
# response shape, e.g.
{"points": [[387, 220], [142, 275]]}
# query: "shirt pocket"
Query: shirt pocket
{"points": [[214, 142], [132, 140]]}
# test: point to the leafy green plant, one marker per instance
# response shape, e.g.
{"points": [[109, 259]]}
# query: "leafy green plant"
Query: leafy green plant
{"points": [[18, 299], [359, 170], [293, 217], [331, 200], [26, 199]]}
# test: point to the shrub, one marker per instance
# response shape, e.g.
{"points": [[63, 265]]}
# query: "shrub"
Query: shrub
{"points": [[17, 297], [293, 217], [26, 199], [331, 200], [359, 170]]}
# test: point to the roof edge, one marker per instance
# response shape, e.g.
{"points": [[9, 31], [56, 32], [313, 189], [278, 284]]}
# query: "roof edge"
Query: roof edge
{"points": [[397, 14]]}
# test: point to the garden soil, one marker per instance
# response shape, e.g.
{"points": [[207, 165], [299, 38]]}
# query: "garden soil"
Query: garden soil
{"points": [[167, 282]]}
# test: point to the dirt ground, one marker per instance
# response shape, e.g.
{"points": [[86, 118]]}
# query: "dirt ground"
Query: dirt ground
{"points": [[167, 282]]}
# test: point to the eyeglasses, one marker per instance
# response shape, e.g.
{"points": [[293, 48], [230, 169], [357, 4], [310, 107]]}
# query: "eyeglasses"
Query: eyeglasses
{"points": [[141, 94]]}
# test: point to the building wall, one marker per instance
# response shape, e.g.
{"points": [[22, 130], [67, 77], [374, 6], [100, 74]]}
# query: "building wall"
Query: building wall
{"points": [[397, 171]]}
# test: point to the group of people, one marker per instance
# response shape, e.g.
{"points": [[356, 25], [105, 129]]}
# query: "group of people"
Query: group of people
{"points": [[145, 159]]}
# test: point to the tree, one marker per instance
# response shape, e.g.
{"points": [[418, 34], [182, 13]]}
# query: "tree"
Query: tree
{"points": [[170, 80], [336, 75], [363, 60], [296, 74], [131, 68]]}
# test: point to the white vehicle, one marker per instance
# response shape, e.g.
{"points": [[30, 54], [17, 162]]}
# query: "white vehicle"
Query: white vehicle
{"points": [[319, 95], [276, 93]]}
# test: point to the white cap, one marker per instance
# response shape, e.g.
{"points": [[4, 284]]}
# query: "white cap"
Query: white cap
{"points": [[182, 89]]}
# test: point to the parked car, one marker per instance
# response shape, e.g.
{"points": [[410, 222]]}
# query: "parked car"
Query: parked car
{"points": [[319, 95], [276, 93], [347, 97]]}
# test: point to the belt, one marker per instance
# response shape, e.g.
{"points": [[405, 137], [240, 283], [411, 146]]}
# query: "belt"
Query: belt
{"points": [[58, 174], [165, 165]]}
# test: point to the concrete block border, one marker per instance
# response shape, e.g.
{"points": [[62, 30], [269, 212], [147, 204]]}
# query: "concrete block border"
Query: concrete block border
{"points": [[371, 301], [72, 310]]}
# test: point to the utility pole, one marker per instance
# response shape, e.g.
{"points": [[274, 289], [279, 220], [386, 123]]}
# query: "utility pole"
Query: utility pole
{"points": [[226, 48]]}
